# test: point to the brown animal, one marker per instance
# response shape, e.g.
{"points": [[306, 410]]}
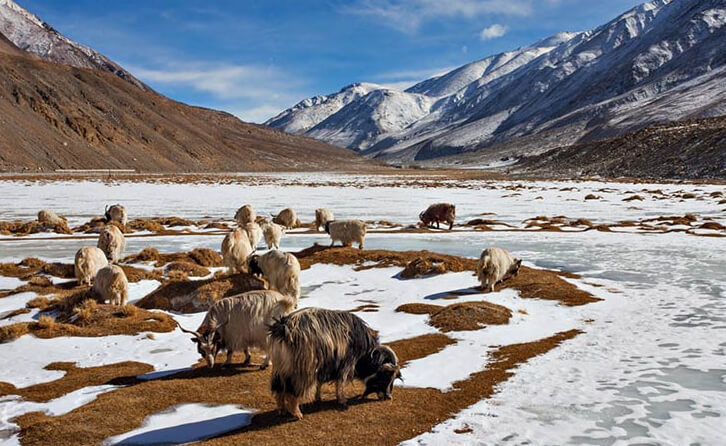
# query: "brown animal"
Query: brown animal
{"points": [[439, 212]]}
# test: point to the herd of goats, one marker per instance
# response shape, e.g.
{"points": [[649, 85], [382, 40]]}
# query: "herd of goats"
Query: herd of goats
{"points": [[308, 347]]}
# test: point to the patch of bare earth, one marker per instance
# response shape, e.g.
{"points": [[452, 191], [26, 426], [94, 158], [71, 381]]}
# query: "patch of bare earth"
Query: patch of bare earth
{"points": [[412, 411]]}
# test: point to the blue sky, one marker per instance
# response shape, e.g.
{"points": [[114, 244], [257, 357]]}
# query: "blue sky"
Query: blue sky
{"points": [[256, 58]]}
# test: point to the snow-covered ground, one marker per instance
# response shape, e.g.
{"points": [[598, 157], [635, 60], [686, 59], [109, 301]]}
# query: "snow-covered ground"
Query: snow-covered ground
{"points": [[649, 368]]}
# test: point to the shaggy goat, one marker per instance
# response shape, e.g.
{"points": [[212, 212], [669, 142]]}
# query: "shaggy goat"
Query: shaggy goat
{"points": [[116, 213], [496, 265], [281, 269], [87, 263], [245, 214], [439, 212], [111, 284], [273, 234], [314, 346], [322, 216], [239, 323], [236, 248], [287, 218], [48, 217], [254, 234], [112, 242], [346, 232]]}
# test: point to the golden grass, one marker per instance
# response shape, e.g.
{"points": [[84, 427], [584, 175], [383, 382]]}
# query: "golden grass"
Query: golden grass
{"points": [[463, 316]]}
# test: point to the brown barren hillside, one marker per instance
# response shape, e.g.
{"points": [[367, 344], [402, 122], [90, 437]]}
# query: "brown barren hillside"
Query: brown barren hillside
{"points": [[55, 116], [680, 150]]}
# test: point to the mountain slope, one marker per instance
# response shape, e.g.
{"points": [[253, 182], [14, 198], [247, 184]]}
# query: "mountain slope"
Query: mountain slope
{"points": [[683, 149], [55, 116], [31, 34], [659, 62]]}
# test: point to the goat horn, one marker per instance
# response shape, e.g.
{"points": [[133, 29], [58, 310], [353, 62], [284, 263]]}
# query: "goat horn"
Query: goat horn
{"points": [[195, 333]]}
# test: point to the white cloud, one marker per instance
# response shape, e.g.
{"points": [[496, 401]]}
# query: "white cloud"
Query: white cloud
{"points": [[408, 15], [492, 32], [221, 81], [251, 92]]}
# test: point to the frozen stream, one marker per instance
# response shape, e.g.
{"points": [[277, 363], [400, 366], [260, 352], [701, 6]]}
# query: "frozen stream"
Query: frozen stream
{"points": [[650, 368]]}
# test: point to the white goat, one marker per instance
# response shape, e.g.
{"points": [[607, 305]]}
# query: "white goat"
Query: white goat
{"points": [[236, 248], [87, 263], [111, 284], [496, 265], [239, 323], [112, 242], [347, 232], [281, 269]]}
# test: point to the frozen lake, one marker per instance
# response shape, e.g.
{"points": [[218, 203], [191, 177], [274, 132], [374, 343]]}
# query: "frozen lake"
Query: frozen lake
{"points": [[649, 369]]}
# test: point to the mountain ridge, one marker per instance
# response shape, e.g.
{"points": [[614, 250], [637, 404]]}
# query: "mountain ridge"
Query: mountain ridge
{"points": [[592, 84]]}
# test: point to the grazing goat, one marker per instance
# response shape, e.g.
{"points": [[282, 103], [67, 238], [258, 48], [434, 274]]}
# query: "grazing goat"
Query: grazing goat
{"points": [[116, 213], [273, 234], [111, 284], [112, 242], [322, 216], [281, 269], [496, 265], [236, 248], [287, 218], [87, 263], [245, 214], [346, 232], [48, 217], [239, 323], [254, 234], [439, 212], [314, 346]]}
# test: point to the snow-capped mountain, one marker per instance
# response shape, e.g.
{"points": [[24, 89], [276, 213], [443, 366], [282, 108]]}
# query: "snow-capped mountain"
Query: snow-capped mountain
{"points": [[31, 34], [658, 62]]}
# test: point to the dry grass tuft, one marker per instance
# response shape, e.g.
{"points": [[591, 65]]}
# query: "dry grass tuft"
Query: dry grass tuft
{"points": [[45, 321], [84, 312], [39, 302], [199, 295], [382, 258], [191, 269], [463, 316], [200, 256], [420, 267]]}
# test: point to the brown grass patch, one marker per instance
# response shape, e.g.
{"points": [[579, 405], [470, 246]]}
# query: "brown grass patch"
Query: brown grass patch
{"points": [[399, 419], [467, 316], [32, 266], [76, 378], [17, 312], [712, 225], [191, 269], [91, 320], [549, 285], [199, 295], [417, 308], [32, 227], [201, 256], [421, 267], [633, 198], [463, 316], [134, 274], [382, 258]]}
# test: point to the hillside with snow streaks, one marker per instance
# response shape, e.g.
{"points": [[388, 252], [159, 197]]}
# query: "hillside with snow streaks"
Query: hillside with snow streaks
{"points": [[29, 33], [658, 62]]}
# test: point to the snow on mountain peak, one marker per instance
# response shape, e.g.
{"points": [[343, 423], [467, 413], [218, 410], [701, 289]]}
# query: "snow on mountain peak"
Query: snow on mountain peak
{"points": [[31, 34]]}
